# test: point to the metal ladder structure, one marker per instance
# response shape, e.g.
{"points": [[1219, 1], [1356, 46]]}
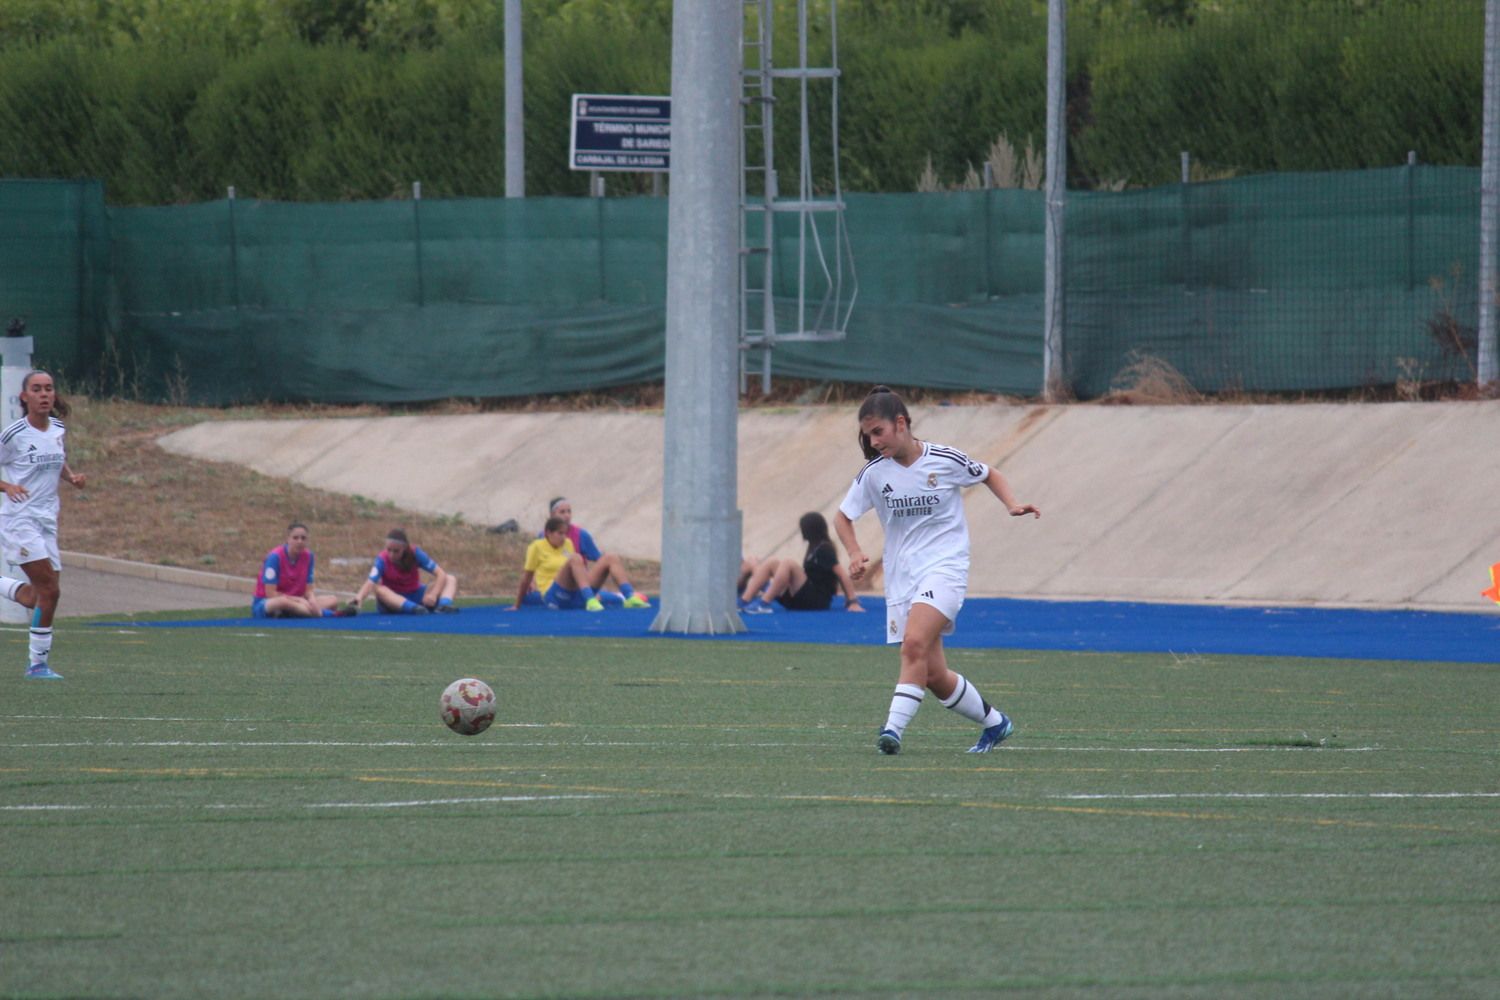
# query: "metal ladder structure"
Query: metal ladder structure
{"points": [[826, 285]]}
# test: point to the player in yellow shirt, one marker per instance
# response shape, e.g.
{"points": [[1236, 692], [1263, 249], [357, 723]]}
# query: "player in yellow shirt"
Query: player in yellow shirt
{"points": [[554, 575]]}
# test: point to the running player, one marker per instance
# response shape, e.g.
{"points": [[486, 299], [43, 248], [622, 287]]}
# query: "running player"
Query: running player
{"points": [[32, 460], [285, 588], [915, 488]]}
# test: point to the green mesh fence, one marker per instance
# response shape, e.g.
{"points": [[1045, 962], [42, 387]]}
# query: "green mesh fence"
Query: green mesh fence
{"points": [[405, 301], [53, 269], [1277, 283], [1287, 282]]}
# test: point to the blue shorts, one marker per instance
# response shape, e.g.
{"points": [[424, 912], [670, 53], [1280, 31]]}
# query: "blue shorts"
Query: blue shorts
{"points": [[562, 599], [415, 596], [258, 608]]}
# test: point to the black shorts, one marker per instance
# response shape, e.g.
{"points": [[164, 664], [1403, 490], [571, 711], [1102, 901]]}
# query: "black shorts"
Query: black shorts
{"points": [[808, 598]]}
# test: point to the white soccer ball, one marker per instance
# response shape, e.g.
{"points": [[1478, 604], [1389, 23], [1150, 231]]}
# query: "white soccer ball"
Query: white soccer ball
{"points": [[468, 706]]}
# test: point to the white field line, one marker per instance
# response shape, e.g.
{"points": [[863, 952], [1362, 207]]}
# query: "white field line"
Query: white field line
{"points": [[403, 804], [341, 636], [228, 743], [231, 721], [648, 744], [852, 799], [1153, 796]]}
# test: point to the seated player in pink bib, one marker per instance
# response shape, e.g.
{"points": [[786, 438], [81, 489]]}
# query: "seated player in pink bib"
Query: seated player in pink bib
{"points": [[284, 588], [396, 580]]}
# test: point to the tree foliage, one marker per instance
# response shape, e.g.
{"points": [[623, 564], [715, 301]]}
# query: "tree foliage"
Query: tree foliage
{"points": [[173, 100]]}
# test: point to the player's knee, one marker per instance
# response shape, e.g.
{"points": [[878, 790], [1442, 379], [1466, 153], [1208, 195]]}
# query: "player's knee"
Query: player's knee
{"points": [[917, 649]]}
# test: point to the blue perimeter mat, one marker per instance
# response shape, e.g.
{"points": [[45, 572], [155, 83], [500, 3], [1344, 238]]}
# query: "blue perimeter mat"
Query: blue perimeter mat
{"points": [[998, 623]]}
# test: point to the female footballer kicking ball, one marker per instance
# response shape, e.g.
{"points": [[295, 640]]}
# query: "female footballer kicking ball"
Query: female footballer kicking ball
{"points": [[915, 488]]}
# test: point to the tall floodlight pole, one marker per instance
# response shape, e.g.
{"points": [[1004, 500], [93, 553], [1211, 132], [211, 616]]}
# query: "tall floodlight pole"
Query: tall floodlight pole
{"points": [[1053, 288], [700, 520], [1488, 365], [515, 115]]}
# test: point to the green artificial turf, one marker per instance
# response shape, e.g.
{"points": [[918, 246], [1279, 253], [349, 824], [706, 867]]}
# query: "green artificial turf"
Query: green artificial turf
{"points": [[233, 813]]}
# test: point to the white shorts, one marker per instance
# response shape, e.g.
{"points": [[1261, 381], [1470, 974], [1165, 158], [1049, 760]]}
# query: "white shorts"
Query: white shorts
{"points": [[24, 540], [944, 593]]}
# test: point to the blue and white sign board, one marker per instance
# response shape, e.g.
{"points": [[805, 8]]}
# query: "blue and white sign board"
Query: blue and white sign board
{"points": [[621, 132]]}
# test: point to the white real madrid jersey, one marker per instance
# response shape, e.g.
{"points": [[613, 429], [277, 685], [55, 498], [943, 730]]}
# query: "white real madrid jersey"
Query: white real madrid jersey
{"points": [[921, 509], [33, 459]]}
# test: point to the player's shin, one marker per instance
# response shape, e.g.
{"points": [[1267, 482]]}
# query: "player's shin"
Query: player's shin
{"points": [[967, 701], [40, 645], [904, 705]]}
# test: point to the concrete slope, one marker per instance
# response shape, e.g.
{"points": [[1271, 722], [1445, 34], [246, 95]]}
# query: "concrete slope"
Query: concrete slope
{"points": [[1373, 505]]}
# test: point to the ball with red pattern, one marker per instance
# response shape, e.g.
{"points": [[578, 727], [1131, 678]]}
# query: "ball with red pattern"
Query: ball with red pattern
{"points": [[468, 706]]}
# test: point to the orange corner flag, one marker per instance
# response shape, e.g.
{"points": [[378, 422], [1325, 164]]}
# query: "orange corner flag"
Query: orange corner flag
{"points": [[1494, 592]]}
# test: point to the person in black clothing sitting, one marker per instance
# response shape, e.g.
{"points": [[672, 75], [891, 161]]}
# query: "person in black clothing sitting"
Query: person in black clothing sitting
{"points": [[806, 586]]}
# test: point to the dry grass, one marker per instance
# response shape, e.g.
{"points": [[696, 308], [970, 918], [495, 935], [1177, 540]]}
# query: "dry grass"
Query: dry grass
{"points": [[1150, 381], [150, 506]]}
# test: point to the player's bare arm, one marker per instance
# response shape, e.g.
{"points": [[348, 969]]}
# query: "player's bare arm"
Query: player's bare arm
{"points": [[15, 490], [526, 577], [436, 590], [998, 486], [844, 528], [851, 599], [76, 479], [365, 589]]}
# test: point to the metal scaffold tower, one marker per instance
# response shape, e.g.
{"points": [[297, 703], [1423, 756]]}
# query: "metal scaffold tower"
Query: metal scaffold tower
{"points": [[803, 237]]}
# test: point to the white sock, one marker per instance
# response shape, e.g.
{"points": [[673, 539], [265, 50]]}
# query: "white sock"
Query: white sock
{"points": [[967, 701], [41, 645], [9, 588], [904, 705]]}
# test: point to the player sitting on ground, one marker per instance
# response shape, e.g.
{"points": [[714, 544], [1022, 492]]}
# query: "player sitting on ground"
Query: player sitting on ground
{"points": [[288, 570], [600, 566], [805, 586], [396, 580], [554, 575]]}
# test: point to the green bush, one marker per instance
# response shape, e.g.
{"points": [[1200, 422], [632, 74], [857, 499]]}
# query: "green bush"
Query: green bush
{"points": [[173, 100]]}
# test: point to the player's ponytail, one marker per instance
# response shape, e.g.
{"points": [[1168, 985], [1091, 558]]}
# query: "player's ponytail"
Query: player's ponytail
{"points": [[883, 404]]}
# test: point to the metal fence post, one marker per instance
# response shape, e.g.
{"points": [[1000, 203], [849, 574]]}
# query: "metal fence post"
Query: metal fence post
{"points": [[515, 104], [1489, 197], [1054, 292], [1410, 183], [234, 252], [416, 217]]}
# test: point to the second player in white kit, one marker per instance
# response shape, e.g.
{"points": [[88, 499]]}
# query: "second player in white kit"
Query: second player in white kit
{"points": [[33, 460]]}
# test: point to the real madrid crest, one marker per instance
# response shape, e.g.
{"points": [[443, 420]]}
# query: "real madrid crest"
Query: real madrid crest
{"points": [[931, 480]]}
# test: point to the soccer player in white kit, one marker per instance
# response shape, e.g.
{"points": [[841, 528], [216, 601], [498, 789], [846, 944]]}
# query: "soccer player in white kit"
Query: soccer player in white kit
{"points": [[916, 488], [32, 460]]}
